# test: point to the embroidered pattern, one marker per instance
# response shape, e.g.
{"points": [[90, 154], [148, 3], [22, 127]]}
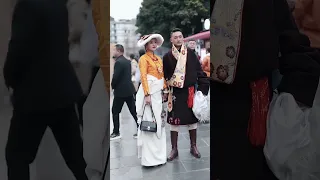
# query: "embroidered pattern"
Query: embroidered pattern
{"points": [[225, 34]]}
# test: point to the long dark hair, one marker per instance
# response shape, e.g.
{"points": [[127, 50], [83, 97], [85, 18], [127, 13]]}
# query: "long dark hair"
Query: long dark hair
{"points": [[141, 52]]}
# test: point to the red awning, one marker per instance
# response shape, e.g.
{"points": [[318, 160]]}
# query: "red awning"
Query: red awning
{"points": [[202, 36]]}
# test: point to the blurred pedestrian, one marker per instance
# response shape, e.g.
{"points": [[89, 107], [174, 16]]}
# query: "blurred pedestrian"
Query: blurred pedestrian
{"points": [[307, 16], [192, 44], [123, 90], [134, 67], [138, 78], [77, 14], [88, 57], [205, 64], [45, 87]]}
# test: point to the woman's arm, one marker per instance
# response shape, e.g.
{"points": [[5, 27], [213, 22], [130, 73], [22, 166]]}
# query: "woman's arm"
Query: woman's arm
{"points": [[133, 67], [143, 67], [300, 9]]}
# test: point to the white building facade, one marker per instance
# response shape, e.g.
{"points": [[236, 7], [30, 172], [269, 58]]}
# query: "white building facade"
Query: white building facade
{"points": [[124, 32]]}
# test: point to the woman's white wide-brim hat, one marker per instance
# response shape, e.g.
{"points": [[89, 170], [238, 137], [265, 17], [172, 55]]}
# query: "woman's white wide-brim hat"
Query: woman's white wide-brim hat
{"points": [[146, 38]]}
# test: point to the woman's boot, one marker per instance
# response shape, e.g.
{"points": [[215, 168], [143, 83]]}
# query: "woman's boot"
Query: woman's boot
{"points": [[193, 141], [174, 143]]}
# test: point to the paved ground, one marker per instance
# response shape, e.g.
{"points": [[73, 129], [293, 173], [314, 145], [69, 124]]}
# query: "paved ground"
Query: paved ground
{"points": [[124, 164]]}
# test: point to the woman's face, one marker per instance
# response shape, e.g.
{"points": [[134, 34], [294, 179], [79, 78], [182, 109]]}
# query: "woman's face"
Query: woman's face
{"points": [[152, 45]]}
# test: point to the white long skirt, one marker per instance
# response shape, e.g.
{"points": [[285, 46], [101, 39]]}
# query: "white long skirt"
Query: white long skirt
{"points": [[152, 148]]}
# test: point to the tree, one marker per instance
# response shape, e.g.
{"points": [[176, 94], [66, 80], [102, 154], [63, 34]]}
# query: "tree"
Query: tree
{"points": [[161, 16]]}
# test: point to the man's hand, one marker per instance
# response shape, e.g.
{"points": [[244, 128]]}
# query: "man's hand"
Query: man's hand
{"points": [[165, 97]]}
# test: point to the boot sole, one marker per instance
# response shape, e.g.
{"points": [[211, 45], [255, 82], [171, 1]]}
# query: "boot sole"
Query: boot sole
{"points": [[171, 159]]}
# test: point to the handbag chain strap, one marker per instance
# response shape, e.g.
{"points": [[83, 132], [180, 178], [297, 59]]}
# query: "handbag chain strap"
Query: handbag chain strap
{"points": [[151, 112]]}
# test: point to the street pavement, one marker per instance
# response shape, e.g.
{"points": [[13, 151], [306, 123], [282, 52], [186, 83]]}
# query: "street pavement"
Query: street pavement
{"points": [[125, 165]]}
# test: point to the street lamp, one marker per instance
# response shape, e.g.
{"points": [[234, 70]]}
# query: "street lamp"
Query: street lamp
{"points": [[206, 24]]}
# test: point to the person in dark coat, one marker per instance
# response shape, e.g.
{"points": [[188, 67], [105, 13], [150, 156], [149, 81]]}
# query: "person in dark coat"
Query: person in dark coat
{"points": [[123, 90], [182, 71], [45, 87], [239, 104]]}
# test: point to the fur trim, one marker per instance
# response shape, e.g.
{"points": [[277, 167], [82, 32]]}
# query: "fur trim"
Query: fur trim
{"points": [[146, 38]]}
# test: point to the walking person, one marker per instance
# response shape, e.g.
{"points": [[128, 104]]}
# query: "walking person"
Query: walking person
{"points": [[138, 76], [182, 71], [77, 14], [124, 90], [45, 88], [88, 56], [134, 67], [151, 145], [192, 44]]}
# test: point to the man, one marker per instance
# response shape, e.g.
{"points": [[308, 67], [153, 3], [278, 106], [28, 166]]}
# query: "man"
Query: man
{"points": [[45, 87], [182, 71], [192, 44], [123, 90], [241, 100]]}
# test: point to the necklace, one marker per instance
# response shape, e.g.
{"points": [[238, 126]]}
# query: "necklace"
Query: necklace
{"points": [[159, 68], [153, 58]]}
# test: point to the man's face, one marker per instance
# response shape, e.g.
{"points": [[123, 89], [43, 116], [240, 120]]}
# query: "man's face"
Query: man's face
{"points": [[116, 53], [177, 39], [192, 45]]}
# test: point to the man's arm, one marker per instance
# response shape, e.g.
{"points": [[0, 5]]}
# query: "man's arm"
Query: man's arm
{"points": [[116, 74], [24, 23]]}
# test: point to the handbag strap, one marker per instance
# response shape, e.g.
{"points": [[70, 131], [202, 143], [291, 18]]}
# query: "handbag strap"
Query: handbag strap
{"points": [[151, 112]]}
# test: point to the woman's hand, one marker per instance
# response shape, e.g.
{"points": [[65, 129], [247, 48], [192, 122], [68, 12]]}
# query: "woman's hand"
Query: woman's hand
{"points": [[148, 99]]}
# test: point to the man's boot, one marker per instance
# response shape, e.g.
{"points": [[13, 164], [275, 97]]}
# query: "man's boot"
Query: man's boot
{"points": [[174, 143], [193, 142]]}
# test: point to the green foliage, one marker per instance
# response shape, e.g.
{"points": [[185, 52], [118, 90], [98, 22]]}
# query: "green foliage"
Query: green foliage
{"points": [[161, 16]]}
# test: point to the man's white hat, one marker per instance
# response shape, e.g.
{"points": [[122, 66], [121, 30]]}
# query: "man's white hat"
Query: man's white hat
{"points": [[146, 38]]}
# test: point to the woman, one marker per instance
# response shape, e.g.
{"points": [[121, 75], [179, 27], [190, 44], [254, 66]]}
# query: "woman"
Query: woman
{"points": [[138, 80], [149, 100], [78, 10], [242, 93], [134, 67], [205, 64]]}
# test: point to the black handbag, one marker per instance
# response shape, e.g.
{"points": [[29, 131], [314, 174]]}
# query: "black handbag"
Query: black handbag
{"points": [[148, 126]]}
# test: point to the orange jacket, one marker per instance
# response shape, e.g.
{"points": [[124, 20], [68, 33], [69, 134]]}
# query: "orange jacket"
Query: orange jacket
{"points": [[205, 64], [307, 16]]}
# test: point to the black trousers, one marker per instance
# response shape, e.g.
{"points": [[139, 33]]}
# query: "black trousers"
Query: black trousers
{"points": [[117, 107], [80, 104], [26, 132]]}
